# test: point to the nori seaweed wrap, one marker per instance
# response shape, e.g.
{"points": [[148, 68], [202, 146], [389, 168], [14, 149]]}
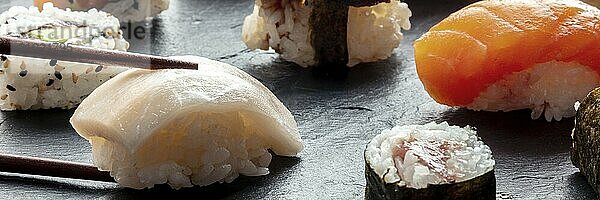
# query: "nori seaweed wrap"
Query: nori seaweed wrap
{"points": [[432, 161], [585, 153]]}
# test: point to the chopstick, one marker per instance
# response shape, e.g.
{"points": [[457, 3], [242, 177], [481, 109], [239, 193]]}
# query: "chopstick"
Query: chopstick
{"points": [[73, 53], [51, 167]]}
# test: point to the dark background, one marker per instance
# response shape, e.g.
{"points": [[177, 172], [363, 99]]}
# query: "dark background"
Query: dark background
{"points": [[336, 117]]}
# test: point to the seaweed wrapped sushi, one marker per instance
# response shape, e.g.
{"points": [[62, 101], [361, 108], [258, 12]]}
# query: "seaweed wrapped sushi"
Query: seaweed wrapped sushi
{"points": [[327, 32], [431, 161], [585, 154]]}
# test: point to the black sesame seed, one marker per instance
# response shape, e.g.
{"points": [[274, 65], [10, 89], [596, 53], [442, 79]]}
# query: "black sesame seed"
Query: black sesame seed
{"points": [[50, 82], [53, 62], [99, 68], [58, 75], [3, 58], [23, 73], [58, 88], [11, 88]]}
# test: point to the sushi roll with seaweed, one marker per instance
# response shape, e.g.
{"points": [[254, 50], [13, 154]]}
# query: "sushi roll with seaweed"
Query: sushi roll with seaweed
{"points": [[327, 32], [185, 127], [431, 161], [585, 153], [125, 10], [542, 55], [31, 83]]}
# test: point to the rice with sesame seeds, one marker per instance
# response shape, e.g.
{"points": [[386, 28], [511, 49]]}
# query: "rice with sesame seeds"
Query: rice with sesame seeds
{"points": [[31, 83], [125, 10]]}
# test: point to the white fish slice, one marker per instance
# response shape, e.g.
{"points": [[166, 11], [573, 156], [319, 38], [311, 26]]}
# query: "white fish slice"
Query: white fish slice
{"points": [[170, 122]]}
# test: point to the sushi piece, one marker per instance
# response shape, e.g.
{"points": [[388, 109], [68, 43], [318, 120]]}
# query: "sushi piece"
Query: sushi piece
{"points": [[513, 54], [431, 161], [327, 33], [585, 154], [185, 127], [30, 83], [125, 10]]}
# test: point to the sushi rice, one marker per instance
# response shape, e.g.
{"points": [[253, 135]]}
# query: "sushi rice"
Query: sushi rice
{"points": [[465, 156], [185, 127], [549, 88], [283, 25], [31, 83], [124, 10]]}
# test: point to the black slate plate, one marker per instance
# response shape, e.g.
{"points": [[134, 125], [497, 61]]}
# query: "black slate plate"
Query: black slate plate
{"points": [[336, 117]]}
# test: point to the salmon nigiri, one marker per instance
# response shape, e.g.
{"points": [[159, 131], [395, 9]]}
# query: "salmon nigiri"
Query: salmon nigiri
{"points": [[503, 55]]}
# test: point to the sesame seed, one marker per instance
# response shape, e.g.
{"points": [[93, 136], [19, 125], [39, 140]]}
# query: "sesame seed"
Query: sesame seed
{"points": [[11, 88], [50, 82], [23, 73], [53, 62], [99, 68], [75, 77], [3, 58], [58, 75]]}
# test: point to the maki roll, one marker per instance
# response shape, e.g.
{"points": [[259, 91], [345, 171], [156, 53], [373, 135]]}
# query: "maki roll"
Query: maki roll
{"points": [[125, 10], [511, 55], [431, 161], [31, 83], [327, 32], [185, 127], [585, 153]]}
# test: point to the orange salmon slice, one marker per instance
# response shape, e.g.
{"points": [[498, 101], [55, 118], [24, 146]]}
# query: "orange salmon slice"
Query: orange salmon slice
{"points": [[484, 42]]}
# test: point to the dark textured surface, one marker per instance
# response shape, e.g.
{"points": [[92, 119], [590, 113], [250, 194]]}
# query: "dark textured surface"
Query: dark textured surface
{"points": [[336, 118], [585, 151]]}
